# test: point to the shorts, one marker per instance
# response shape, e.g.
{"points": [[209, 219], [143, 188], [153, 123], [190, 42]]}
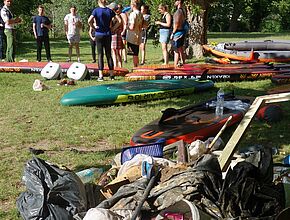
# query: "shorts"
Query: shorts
{"points": [[178, 43], [133, 49], [164, 35], [73, 38]]}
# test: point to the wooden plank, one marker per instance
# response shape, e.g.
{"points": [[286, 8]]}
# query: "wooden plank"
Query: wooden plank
{"points": [[230, 147]]}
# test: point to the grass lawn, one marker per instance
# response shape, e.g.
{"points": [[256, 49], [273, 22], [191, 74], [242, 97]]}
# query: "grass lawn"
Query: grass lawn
{"points": [[81, 137]]}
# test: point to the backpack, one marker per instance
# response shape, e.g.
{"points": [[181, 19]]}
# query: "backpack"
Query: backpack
{"points": [[186, 26]]}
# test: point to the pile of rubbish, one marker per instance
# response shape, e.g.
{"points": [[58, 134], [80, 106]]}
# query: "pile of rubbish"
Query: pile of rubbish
{"points": [[150, 187]]}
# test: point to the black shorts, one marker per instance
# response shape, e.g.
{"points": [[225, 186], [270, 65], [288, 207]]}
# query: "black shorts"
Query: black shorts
{"points": [[133, 49]]}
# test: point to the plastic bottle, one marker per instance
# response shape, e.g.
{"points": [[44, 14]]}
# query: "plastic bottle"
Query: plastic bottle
{"points": [[90, 175], [219, 110]]}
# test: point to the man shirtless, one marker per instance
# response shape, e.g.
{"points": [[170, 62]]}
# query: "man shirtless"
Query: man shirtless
{"points": [[178, 33]]}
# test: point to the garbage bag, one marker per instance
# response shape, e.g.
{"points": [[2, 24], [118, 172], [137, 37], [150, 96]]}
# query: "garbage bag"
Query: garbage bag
{"points": [[51, 193]]}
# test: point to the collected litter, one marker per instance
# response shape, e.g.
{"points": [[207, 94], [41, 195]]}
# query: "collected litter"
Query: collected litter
{"points": [[38, 85]]}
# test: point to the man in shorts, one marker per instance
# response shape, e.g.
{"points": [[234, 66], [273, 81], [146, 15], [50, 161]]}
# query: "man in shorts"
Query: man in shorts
{"points": [[178, 33], [73, 24]]}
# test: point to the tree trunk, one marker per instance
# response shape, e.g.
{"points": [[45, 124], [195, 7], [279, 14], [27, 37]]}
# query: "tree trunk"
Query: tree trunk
{"points": [[199, 27]]}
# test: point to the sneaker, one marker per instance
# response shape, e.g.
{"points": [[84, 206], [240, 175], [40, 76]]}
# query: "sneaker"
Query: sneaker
{"points": [[94, 61], [100, 79], [79, 60], [68, 60], [112, 78]]}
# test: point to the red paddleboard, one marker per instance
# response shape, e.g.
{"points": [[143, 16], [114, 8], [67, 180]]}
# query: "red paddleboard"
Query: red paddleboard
{"points": [[36, 67]]}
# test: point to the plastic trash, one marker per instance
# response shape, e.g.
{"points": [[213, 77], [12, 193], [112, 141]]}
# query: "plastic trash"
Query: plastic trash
{"points": [[219, 110], [51, 193], [90, 175]]}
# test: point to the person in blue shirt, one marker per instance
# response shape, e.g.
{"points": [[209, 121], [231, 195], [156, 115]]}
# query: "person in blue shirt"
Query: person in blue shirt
{"points": [[41, 26], [102, 17]]}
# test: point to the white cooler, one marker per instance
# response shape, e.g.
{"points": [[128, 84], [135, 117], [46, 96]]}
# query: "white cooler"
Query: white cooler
{"points": [[77, 71], [51, 71]]}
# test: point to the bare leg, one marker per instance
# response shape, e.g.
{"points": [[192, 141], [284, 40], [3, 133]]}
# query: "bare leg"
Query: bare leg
{"points": [[70, 51], [114, 56], [135, 61], [164, 52], [142, 48], [119, 57], [78, 51], [176, 58]]}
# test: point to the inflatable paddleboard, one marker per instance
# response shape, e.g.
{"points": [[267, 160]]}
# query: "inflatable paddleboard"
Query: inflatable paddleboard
{"points": [[189, 123], [281, 78], [215, 74], [133, 91], [251, 56], [36, 67]]}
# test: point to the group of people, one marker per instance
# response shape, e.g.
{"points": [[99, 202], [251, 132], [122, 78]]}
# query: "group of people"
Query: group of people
{"points": [[172, 29], [114, 32]]}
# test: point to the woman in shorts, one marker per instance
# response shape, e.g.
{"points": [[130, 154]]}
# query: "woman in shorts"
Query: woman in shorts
{"points": [[165, 25]]}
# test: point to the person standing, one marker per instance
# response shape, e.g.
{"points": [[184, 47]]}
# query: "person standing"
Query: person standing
{"points": [[2, 38], [41, 26], [134, 32], [178, 33], [73, 25], [146, 18], [124, 15], [92, 31], [103, 16], [9, 31], [165, 26], [117, 43]]}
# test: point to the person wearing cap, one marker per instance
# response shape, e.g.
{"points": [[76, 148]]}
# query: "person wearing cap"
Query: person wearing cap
{"points": [[103, 16], [72, 26], [9, 31]]}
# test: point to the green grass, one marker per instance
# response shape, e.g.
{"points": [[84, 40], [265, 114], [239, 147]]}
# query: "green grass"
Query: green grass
{"points": [[81, 137]]}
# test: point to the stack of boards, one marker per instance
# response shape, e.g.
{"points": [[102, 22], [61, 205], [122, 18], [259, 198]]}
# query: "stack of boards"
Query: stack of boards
{"points": [[215, 72], [258, 51], [36, 67], [133, 92]]}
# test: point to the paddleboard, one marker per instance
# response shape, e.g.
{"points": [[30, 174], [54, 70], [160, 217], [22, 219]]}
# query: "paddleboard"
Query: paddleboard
{"points": [[188, 124], [125, 92], [215, 74], [257, 56], [36, 67], [283, 78], [164, 75], [199, 67]]}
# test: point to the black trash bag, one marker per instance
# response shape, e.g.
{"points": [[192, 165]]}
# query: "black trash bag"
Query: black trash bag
{"points": [[51, 193], [245, 196]]}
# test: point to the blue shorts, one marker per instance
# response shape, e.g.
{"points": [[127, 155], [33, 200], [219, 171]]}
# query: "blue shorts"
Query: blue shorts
{"points": [[178, 43], [164, 35]]}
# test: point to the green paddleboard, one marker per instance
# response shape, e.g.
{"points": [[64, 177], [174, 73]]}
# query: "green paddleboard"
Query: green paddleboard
{"points": [[134, 91]]}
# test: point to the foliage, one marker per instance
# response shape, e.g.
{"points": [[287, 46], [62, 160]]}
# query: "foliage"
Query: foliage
{"points": [[272, 23]]}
